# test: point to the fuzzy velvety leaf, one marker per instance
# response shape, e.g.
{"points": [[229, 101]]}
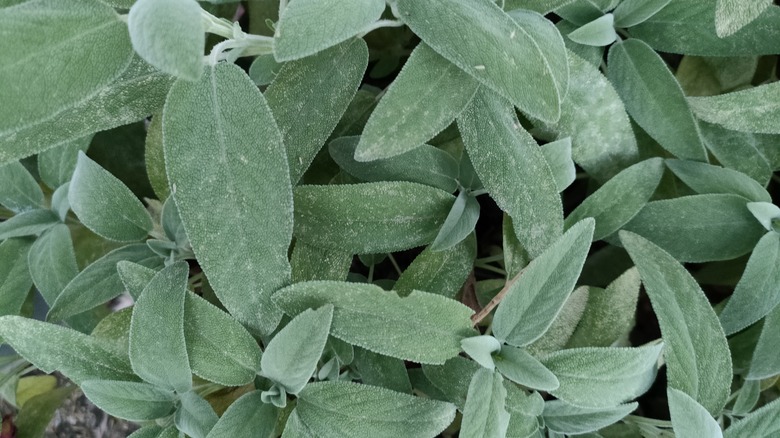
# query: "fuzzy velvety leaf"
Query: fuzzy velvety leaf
{"points": [[134, 277], [733, 15], [247, 416], [765, 362], [29, 223], [439, 272], [741, 151], [56, 165], [632, 12], [599, 32], [517, 365], [195, 416], [19, 192], [264, 69], [53, 262], [556, 337], [313, 263], [459, 224], [558, 157], [704, 178], [154, 157], [753, 110], [485, 415], [379, 370], [689, 418], [15, 278], [133, 401], [562, 417], [761, 423]]}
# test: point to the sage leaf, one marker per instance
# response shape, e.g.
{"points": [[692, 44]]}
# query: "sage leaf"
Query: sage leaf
{"points": [[485, 415], [115, 328], [309, 96], [351, 410], [156, 432], [540, 6], [424, 99], [370, 218], [765, 362], [599, 32], [246, 180], [733, 15], [378, 370], [453, 378], [748, 396], [247, 416], [34, 417], [654, 99], [562, 417], [422, 327], [697, 357], [51, 347], [294, 427], [195, 417], [56, 165], [704, 178], [105, 205], [537, 295], [459, 224], [741, 151], [513, 170], [29, 223], [689, 418], [169, 34], [19, 192], [556, 337], [134, 277], [439, 272], [133, 401], [517, 365], [767, 214], [15, 278], [312, 263], [584, 382], [154, 157], [481, 349], [264, 69], [752, 110], [52, 262], [558, 157], [632, 12], [761, 423], [620, 199], [157, 346], [495, 50]]}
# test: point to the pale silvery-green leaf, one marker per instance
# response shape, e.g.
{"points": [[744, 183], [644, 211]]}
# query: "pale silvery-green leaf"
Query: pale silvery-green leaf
{"points": [[425, 98], [599, 32], [602, 377], [620, 199], [742, 151], [19, 192], [370, 218], [439, 272], [704, 178], [632, 12], [752, 110], [761, 423], [562, 417], [105, 205], [294, 427], [134, 277], [133, 401], [169, 35], [699, 228], [379, 370], [485, 415], [56, 165], [654, 98], [219, 348], [15, 280], [765, 362], [351, 410], [733, 15], [29, 223], [481, 349], [696, 353], [459, 224], [592, 54], [556, 337], [747, 397], [230, 158], [495, 50], [689, 418], [53, 262], [172, 225], [524, 410], [154, 157], [100, 282], [517, 365], [301, 30], [424, 164], [59, 201], [156, 432], [115, 328], [580, 12], [558, 157], [540, 6], [765, 213], [535, 298], [512, 169], [309, 96], [247, 416], [195, 417], [422, 327], [292, 355], [313, 263], [54, 36], [51, 347], [157, 347], [264, 69]]}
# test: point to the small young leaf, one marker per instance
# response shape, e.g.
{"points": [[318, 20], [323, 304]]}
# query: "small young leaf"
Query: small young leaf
{"points": [[439, 272], [379, 370], [264, 69], [632, 12], [767, 214], [15, 278], [562, 417], [748, 396], [485, 415], [481, 349], [689, 418], [247, 416], [733, 15], [704, 178], [459, 224], [56, 165], [517, 365], [195, 416], [29, 223], [133, 401], [19, 192], [558, 157], [53, 262], [753, 110], [761, 423], [765, 362], [599, 32]]}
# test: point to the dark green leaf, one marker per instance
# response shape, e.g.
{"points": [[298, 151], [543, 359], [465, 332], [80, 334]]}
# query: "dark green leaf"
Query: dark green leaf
{"points": [[53, 262], [132, 401], [56, 165], [378, 370], [15, 278], [313, 263], [439, 272], [29, 223], [35, 415]]}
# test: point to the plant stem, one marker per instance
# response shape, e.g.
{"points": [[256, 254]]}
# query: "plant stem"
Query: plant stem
{"points": [[490, 268], [380, 24], [482, 314], [395, 264]]}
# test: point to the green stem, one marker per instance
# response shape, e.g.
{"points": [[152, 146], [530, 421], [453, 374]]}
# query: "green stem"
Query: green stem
{"points": [[490, 268], [491, 259], [371, 273], [380, 24], [395, 264]]}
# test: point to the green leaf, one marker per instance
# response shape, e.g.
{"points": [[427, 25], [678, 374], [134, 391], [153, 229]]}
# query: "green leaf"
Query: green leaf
{"points": [[15, 281], [689, 418], [230, 159], [370, 218], [218, 347], [620, 199], [495, 50], [424, 164], [632, 12], [100, 281], [558, 157], [51, 347], [156, 432], [599, 32], [699, 228], [481, 349], [425, 98], [56, 165], [105, 205], [134, 277], [378, 370], [761, 423], [452, 378], [513, 170], [708, 76], [247, 416], [752, 110], [654, 99], [133, 401], [517, 365], [422, 327], [264, 69], [459, 224], [55, 35], [586, 383], [115, 328], [19, 191], [309, 96], [439, 272], [301, 31], [157, 346], [740, 151], [767, 214], [765, 362], [169, 35], [704, 178], [312, 263], [292, 355], [351, 410], [540, 6], [697, 354], [747, 397], [37, 413], [154, 157], [195, 416], [29, 223], [563, 326], [535, 298], [52, 262], [485, 415], [733, 15], [562, 417]]}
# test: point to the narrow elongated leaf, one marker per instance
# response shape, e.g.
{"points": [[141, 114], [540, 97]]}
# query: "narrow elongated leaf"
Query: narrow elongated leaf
{"points": [[620, 199], [459, 224], [517, 365], [512, 169], [494, 51], [599, 32], [370, 218], [133, 401], [697, 354], [51, 347], [309, 96], [439, 272], [247, 416], [246, 180], [689, 418], [378, 370], [424, 98], [603, 377], [19, 192], [351, 410], [704, 178], [562, 417], [733, 15], [157, 347], [485, 415], [761, 423], [29, 223], [753, 110], [56, 165], [195, 416], [556, 337], [535, 298], [422, 327], [741, 151], [632, 12], [765, 362], [15, 278], [53, 262], [654, 98]]}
